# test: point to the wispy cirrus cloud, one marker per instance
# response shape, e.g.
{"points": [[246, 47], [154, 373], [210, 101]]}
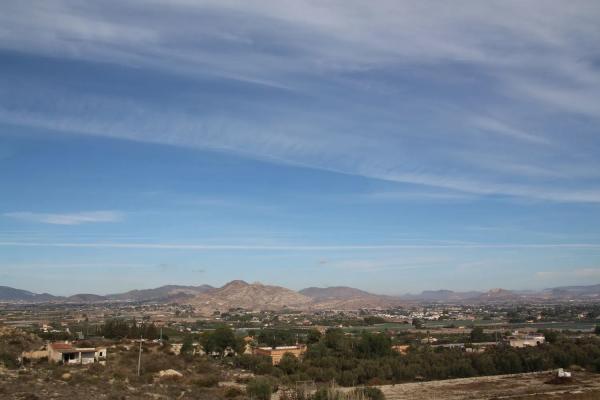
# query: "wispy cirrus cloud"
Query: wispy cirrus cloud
{"points": [[496, 126], [338, 87], [67, 218]]}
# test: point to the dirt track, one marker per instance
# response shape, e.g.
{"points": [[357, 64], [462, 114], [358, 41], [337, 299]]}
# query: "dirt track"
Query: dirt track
{"points": [[519, 386], [585, 386]]}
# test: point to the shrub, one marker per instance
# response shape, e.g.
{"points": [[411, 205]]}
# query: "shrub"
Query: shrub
{"points": [[208, 380], [259, 389], [8, 360], [232, 392], [369, 393]]}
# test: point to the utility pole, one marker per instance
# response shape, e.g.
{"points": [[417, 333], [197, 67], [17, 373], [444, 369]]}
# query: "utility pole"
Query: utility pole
{"points": [[140, 358]]}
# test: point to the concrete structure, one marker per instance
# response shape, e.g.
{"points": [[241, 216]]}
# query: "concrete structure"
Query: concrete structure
{"points": [[276, 353], [34, 355], [401, 348], [561, 373], [519, 340], [66, 353]]}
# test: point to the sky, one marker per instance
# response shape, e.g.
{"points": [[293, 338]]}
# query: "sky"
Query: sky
{"points": [[393, 146]]}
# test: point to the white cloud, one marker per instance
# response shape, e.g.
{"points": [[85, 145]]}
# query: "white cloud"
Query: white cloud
{"points": [[536, 54], [493, 125], [67, 219]]}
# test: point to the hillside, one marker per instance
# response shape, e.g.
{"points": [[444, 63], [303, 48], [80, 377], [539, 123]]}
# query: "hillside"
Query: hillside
{"points": [[442, 295], [163, 293], [569, 292], [333, 293], [255, 296], [258, 296], [9, 294], [347, 298]]}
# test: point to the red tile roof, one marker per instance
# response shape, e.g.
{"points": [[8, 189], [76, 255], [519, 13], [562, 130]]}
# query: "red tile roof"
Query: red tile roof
{"points": [[61, 346]]}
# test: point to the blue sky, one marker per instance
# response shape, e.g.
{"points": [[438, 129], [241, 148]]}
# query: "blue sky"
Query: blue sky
{"points": [[391, 146]]}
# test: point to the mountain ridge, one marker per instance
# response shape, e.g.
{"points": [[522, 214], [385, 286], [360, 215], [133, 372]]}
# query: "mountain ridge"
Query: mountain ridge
{"points": [[239, 293]]}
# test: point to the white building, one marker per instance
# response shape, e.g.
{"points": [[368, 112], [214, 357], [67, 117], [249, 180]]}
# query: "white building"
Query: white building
{"points": [[526, 340], [66, 353]]}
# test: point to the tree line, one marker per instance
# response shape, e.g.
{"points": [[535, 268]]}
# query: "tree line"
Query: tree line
{"points": [[370, 359]]}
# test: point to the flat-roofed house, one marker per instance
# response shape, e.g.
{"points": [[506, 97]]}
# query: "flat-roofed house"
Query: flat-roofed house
{"points": [[276, 353], [67, 353], [526, 340]]}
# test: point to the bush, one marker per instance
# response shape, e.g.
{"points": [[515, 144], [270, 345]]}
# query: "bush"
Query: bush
{"points": [[8, 360], [232, 392], [259, 389], [209, 380], [369, 393]]}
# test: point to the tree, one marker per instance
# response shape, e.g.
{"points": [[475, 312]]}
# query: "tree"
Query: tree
{"points": [[220, 340], [276, 337], [374, 345], [259, 389], [477, 335], [597, 330], [372, 320], [313, 336], [187, 348], [289, 363], [417, 323], [550, 335]]}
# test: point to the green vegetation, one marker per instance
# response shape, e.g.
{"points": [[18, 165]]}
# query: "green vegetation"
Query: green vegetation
{"points": [[372, 320], [369, 359], [260, 388], [220, 340], [119, 329], [478, 336], [331, 393]]}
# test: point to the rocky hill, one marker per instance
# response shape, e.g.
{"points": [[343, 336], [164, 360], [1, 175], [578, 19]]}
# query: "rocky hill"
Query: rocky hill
{"points": [[9, 294], [347, 298], [333, 293], [255, 296], [163, 293]]}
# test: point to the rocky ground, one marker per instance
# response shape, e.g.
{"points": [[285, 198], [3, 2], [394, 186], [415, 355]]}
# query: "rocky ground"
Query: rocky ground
{"points": [[535, 386], [80, 383]]}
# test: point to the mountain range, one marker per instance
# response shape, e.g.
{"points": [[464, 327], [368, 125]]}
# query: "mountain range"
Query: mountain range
{"points": [[257, 296]]}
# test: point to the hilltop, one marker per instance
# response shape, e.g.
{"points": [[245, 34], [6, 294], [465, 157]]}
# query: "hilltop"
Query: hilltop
{"points": [[255, 296]]}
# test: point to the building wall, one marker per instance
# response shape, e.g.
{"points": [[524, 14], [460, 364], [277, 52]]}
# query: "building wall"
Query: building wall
{"points": [[79, 355], [35, 355], [277, 353], [524, 342], [54, 356], [88, 357]]}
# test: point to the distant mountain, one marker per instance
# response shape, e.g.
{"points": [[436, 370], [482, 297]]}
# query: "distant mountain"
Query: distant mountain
{"points": [[347, 298], [255, 296], [499, 295], [163, 293], [169, 293], [333, 293], [442, 295], [8, 294], [84, 298], [567, 292]]}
